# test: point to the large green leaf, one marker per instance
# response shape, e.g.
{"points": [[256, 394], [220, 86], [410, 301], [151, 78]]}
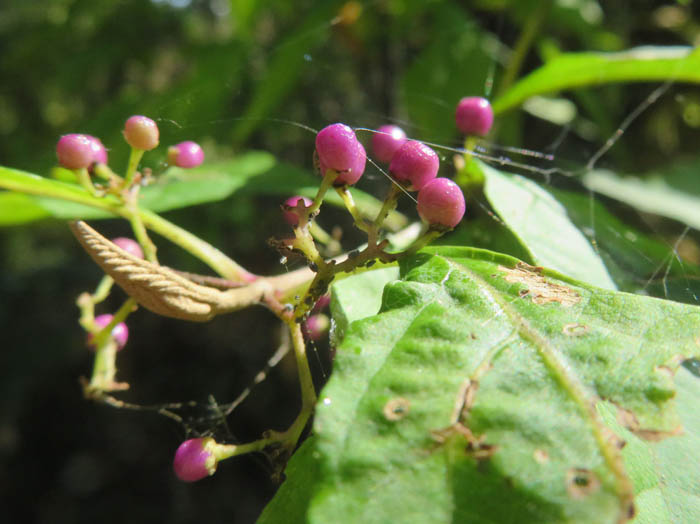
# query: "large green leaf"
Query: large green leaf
{"points": [[471, 397], [574, 70], [544, 228]]}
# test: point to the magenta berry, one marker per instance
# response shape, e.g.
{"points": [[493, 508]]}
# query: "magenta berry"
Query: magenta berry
{"points": [[336, 146], [386, 141], [141, 132], [129, 245], [186, 154], [194, 459], [322, 303], [353, 174], [474, 116], [120, 332], [289, 209], [316, 326], [99, 153], [75, 151], [441, 202], [414, 165]]}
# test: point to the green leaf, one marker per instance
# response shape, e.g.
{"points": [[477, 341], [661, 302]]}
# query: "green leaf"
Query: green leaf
{"points": [[470, 398], [16, 208], [176, 188], [543, 227], [652, 195], [574, 70]]}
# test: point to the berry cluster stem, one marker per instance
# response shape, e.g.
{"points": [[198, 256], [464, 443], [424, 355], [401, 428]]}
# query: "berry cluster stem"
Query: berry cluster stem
{"points": [[134, 158], [349, 202], [105, 366]]}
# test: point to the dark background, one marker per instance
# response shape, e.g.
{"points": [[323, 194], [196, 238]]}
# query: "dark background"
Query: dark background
{"points": [[233, 75]]}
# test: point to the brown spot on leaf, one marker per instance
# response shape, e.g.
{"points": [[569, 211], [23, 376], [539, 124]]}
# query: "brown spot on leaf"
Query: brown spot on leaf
{"points": [[540, 456], [629, 420], [541, 290], [396, 409], [476, 447], [581, 482], [575, 329]]}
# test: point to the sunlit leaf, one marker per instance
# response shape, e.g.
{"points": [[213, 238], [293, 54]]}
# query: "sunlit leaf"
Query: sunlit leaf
{"points": [[470, 398], [575, 70]]}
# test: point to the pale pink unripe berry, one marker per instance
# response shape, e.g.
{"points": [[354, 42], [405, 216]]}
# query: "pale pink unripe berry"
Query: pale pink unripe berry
{"points": [[75, 151], [338, 149], [414, 165], [194, 459], [141, 132], [386, 141], [474, 116], [186, 154], [316, 326], [129, 245], [289, 212], [441, 202], [120, 333]]}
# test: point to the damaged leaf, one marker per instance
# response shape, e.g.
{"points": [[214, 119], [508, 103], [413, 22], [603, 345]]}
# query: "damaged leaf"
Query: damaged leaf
{"points": [[468, 399]]}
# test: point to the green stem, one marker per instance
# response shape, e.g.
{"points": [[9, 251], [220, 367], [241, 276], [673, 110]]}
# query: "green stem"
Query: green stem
{"points": [[326, 184], [134, 159], [85, 181], [149, 248], [103, 289], [349, 202]]}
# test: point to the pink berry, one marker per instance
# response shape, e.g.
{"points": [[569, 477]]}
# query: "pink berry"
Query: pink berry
{"points": [[186, 154], [352, 174], [289, 209], [386, 141], [99, 153], [441, 202], [337, 147], [120, 332], [194, 459], [129, 245], [141, 132], [474, 116], [75, 151], [414, 164], [322, 303], [316, 326]]}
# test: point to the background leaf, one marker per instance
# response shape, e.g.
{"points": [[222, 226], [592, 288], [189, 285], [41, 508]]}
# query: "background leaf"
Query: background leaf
{"points": [[652, 195], [575, 70]]}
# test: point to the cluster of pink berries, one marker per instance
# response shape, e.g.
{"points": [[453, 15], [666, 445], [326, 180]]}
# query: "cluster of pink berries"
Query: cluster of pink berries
{"points": [[78, 151], [412, 164]]}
